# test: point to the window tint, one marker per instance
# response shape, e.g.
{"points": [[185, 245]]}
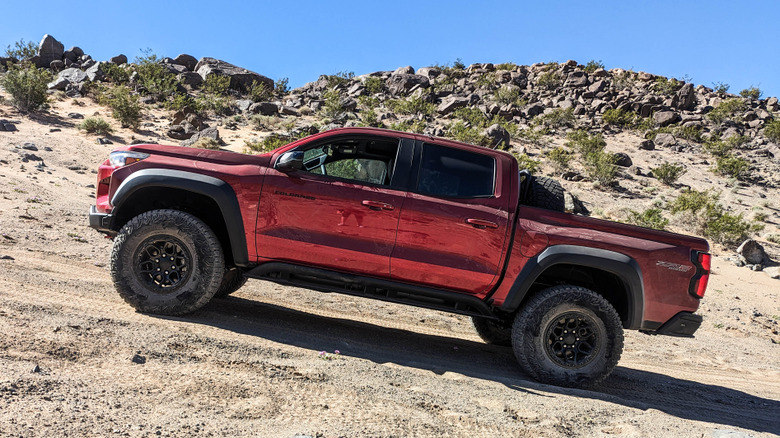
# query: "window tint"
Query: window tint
{"points": [[456, 173], [364, 159]]}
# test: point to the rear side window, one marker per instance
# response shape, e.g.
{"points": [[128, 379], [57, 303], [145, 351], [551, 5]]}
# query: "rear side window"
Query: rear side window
{"points": [[456, 173]]}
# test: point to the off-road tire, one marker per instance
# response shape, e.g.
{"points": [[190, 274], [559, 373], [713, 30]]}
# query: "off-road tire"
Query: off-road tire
{"points": [[232, 281], [166, 262], [568, 336], [547, 193], [492, 332]]}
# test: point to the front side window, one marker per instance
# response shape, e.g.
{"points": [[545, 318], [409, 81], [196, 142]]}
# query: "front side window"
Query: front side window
{"points": [[368, 160], [456, 173]]}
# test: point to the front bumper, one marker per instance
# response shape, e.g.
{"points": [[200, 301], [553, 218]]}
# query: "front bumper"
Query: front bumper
{"points": [[684, 324], [101, 221]]}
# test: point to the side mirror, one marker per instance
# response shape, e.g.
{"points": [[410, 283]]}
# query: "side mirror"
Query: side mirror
{"points": [[290, 161]]}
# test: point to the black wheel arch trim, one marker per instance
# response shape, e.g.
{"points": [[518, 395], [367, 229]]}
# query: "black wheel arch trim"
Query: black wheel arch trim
{"points": [[621, 265], [218, 190]]}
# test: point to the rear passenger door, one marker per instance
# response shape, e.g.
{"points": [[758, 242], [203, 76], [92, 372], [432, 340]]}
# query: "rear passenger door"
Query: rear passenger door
{"points": [[454, 222]]}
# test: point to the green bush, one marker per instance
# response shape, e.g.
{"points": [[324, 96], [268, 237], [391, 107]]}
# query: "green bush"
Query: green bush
{"points": [[124, 105], [273, 141], [692, 200], [282, 87], [373, 85], [618, 117], [258, 92], [27, 86], [116, 74], [726, 110], [412, 106], [332, 107], [95, 125], [751, 93], [668, 173], [369, 118], [690, 133], [650, 218], [717, 147], [593, 65], [772, 131], [550, 79], [534, 135], [22, 50], [526, 162], [732, 166], [557, 118], [560, 158], [720, 87], [730, 229], [471, 115], [666, 86], [585, 143], [467, 134], [341, 78], [206, 143], [601, 168], [486, 80], [416, 126], [217, 84], [710, 219], [508, 66], [181, 101], [508, 95]]}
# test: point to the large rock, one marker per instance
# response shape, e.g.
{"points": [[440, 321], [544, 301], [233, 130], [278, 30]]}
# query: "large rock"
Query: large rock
{"points": [[211, 132], [753, 252], [188, 61], [664, 118], [97, 72], [576, 79], [240, 78], [68, 76], [399, 83], [499, 136], [119, 59], [49, 50], [665, 140], [451, 103], [685, 98]]}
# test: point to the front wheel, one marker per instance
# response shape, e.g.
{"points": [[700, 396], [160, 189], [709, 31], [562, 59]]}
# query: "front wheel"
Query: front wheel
{"points": [[166, 262], [568, 336]]}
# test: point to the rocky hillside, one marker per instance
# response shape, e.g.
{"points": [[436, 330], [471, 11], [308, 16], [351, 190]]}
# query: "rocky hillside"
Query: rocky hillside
{"points": [[632, 146]]}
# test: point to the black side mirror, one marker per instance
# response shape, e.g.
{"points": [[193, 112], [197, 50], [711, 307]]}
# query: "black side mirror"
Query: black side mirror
{"points": [[290, 161]]}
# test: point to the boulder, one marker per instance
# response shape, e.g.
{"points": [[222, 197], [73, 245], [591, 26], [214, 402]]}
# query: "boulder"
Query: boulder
{"points": [[623, 160], [499, 136], [97, 71], [119, 59], [188, 61], [451, 103], [68, 76], [647, 145], [240, 78], [665, 140], [190, 78], [264, 108], [408, 70], [685, 98], [753, 252], [49, 50], [399, 83], [57, 65], [211, 132], [664, 118], [73, 54], [576, 79], [429, 72]]}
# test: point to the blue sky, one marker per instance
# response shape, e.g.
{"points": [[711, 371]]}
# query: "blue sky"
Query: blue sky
{"points": [[732, 42]]}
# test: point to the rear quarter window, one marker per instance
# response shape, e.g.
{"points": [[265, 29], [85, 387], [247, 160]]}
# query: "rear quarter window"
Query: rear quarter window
{"points": [[451, 172]]}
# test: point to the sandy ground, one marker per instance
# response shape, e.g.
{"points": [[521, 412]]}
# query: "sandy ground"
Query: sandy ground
{"points": [[77, 361]]}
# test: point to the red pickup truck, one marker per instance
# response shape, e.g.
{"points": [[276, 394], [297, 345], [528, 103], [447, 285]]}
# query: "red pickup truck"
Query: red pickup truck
{"points": [[399, 217]]}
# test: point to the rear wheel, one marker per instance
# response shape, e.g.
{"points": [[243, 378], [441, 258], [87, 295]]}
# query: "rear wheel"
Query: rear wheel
{"points": [[166, 262], [547, 193], [492, 332], [568, 336]]}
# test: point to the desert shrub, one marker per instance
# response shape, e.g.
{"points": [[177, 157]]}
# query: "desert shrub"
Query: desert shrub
{"points": [[618, 117], [550, 79], [373, 85], [467, 134], [706, 216], [206, 143], [273, 141], [95, 125], [181, 101], [666, 86], [730, 229], [265, 123], [624, 79], [416, 126], [593, 65], [21, 50], [282, 86], [339, 79], [258, 92], [508, 95], [650, 218], [155, 79], [124, 105], [332, 107], [116, 74], [557, 118], [601, 168], [218, 104], [534, 135], [486, 80], [690, 133], [717, 147], [668, 173], [369, 118], [526, 162], [560, 158], [368, 102], [216, 84], [726, 110], [720, 87], [412, 106], [509, 66], [471, 115], [772, 131], [27, 86], [751, 93], [585, 143], [732, 166]]}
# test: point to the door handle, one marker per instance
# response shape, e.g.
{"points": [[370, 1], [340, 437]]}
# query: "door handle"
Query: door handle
{"points": [[376, 205], [481, 224]]}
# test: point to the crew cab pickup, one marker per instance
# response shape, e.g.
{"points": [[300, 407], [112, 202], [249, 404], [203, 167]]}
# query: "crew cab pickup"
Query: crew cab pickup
{"points": [[399, 217]]}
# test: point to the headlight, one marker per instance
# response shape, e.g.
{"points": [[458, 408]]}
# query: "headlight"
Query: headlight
{"points": [[123, 158]]}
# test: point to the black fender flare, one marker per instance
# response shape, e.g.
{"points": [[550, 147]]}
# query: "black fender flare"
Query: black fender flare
{"points": [[218, 190], [621, 265]]}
